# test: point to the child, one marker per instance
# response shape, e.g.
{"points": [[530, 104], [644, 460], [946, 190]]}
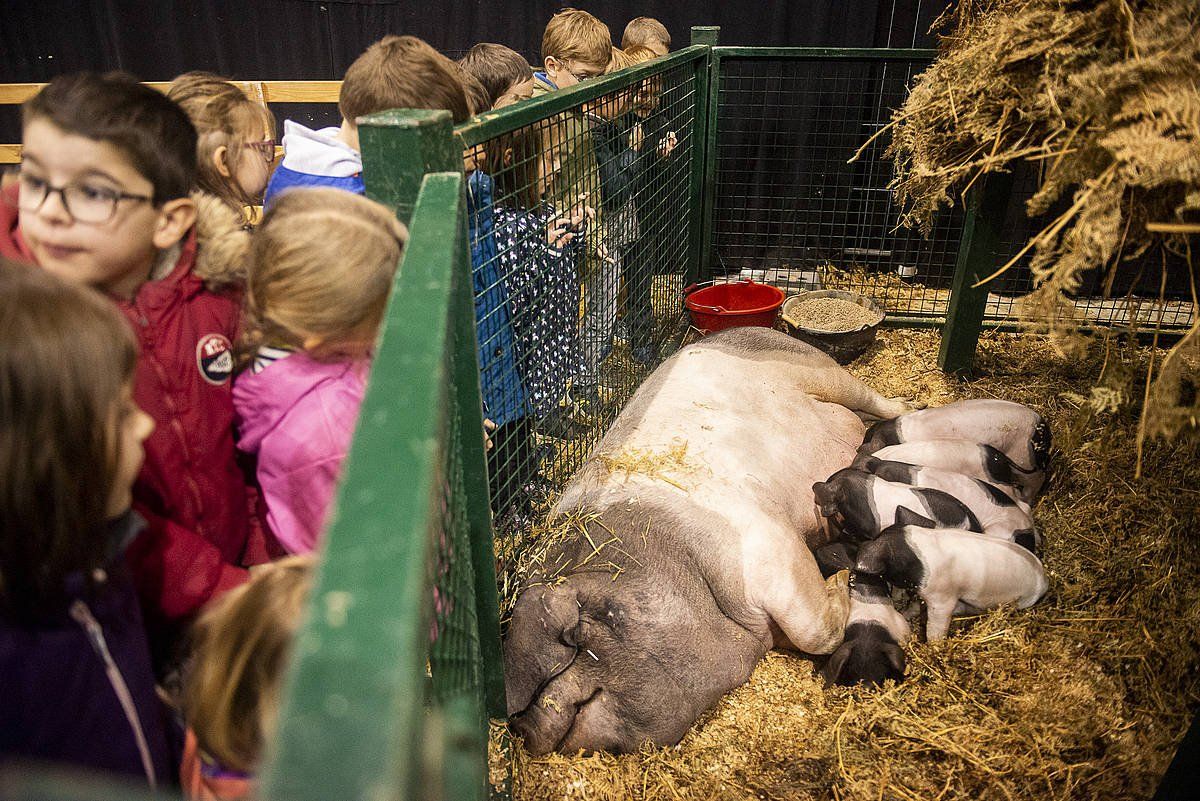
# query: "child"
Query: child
{"points": [[236, 139], [647, 32], [321, 267], [575, 47], [503, 72], [538, 252], [103, 200], [74, 659], [395, 72], [243, 644], [616, 160], [652, 145]]}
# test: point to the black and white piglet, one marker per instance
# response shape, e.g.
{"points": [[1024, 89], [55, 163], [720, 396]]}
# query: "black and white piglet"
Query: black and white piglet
{"points": [[860, 505], [872, 650], [954, 571], [964, 456], [999, 515], [1012, 428]]}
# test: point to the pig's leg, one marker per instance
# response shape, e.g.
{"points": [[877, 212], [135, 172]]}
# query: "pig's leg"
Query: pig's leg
{"points": [[838, 386], [813, 614], [937, 624]]}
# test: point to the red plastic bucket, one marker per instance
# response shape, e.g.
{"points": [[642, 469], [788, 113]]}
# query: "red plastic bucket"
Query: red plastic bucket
{"points": [[722, 306]]}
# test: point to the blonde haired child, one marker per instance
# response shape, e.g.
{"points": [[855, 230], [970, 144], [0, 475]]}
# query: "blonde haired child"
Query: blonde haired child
{"points": [[242, 646], [321, 266], [235, 146]]}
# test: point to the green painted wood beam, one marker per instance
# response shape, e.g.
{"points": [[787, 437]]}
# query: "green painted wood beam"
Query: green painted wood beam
{"points": [[986, 205]]}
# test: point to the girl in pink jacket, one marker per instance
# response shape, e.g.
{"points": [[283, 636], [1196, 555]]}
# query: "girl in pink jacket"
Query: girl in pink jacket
{"points": [[321, 266]]}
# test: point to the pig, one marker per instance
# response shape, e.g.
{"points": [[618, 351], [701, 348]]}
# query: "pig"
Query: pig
{"points": [[964, 456], [859, 505], [954, 571], [1012, 428], [670, 581], [999, 515], [872, 647]]}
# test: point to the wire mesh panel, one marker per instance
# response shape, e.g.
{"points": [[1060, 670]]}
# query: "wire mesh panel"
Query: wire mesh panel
{"points": [[1148, 291], [582, 218], [793, 206]]}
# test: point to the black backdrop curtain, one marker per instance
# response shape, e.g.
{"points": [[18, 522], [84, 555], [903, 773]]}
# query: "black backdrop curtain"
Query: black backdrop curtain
{"points": [[317, 39]]}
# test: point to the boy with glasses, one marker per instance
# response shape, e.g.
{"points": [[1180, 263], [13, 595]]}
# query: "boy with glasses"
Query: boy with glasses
{"points": [[577, 47], [103, 199]]}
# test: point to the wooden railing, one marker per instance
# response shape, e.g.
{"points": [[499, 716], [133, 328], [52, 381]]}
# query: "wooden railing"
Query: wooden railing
{"points": [[14, 94]]}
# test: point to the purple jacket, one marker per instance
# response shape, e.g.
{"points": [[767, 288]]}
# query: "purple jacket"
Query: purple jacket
{"points": [[77, 687], [298, 416]]}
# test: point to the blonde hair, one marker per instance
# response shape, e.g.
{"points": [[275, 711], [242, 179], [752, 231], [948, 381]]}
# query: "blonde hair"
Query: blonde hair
{"points": [[402, 72], [242, 644], [222, 115], [638, 54], [321, 265], [641, 30], [575, 34], [618, 61]]}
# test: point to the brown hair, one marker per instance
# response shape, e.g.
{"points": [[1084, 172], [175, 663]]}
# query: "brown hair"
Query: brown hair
{"points": [[641, 30], [242, 645], [477, 95], [496, 67], [638, 54], [578, 35], [321, 265], [222, 114], [151, 130], [66, 357], [401, 72]]}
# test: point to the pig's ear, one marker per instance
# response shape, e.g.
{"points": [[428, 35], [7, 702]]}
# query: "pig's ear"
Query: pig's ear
{"points": [[907, 517], [821, 491], [837, 661]]}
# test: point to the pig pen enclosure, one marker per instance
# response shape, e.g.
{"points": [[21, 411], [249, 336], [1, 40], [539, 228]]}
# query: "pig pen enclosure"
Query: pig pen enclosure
{"points": [[746, 170]]}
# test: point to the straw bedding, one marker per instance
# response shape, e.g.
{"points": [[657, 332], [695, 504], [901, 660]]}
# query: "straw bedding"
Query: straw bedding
{"points": [[1084, 696]]}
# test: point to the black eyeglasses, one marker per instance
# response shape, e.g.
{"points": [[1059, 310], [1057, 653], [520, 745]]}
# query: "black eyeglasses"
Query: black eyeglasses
{"points": [[86, 203]]}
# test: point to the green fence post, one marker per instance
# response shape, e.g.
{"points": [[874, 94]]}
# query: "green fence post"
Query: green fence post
{"points": [[704, 155], [986, 205], [354, 710], [399, 148]]}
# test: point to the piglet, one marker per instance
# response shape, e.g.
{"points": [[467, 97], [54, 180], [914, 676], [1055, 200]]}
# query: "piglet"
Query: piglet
{"points": [[999, 515], [954, 571], [1012, 428], [964, 456], [861, 505], [872, 649]]}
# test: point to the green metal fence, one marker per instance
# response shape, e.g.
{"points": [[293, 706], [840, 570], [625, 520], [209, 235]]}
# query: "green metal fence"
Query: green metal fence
{"points": [[538, 290]]}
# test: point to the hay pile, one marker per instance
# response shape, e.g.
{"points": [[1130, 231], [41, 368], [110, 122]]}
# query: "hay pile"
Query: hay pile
{"points": [[1083, 696], [1104, 98]]}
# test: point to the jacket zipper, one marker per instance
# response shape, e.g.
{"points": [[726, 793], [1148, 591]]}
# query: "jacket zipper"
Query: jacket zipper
{"points": [[83, 616]]}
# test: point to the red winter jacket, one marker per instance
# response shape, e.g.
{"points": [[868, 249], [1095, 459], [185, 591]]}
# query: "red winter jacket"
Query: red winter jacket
{"points": [[191, 490]]}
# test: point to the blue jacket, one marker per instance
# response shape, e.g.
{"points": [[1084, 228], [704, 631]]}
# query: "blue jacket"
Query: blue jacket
{"points": [[315, 158], [78, 686], [499, 381]]}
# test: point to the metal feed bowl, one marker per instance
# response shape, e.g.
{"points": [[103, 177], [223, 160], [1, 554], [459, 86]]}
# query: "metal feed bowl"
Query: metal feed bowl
{"points": [[843, 346]]}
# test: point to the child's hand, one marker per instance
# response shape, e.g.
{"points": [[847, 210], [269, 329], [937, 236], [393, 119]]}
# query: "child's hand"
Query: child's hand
{"points": [[637, 137], [563, 229], [667, 144], [488, 427]]}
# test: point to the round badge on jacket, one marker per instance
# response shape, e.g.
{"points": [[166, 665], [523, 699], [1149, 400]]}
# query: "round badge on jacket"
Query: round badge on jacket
{"points": [[214, 357]]}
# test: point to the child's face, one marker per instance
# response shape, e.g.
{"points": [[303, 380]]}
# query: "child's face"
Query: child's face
{"points": [[569, 72], [254, 162], [131, 428], [114, 247]]}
